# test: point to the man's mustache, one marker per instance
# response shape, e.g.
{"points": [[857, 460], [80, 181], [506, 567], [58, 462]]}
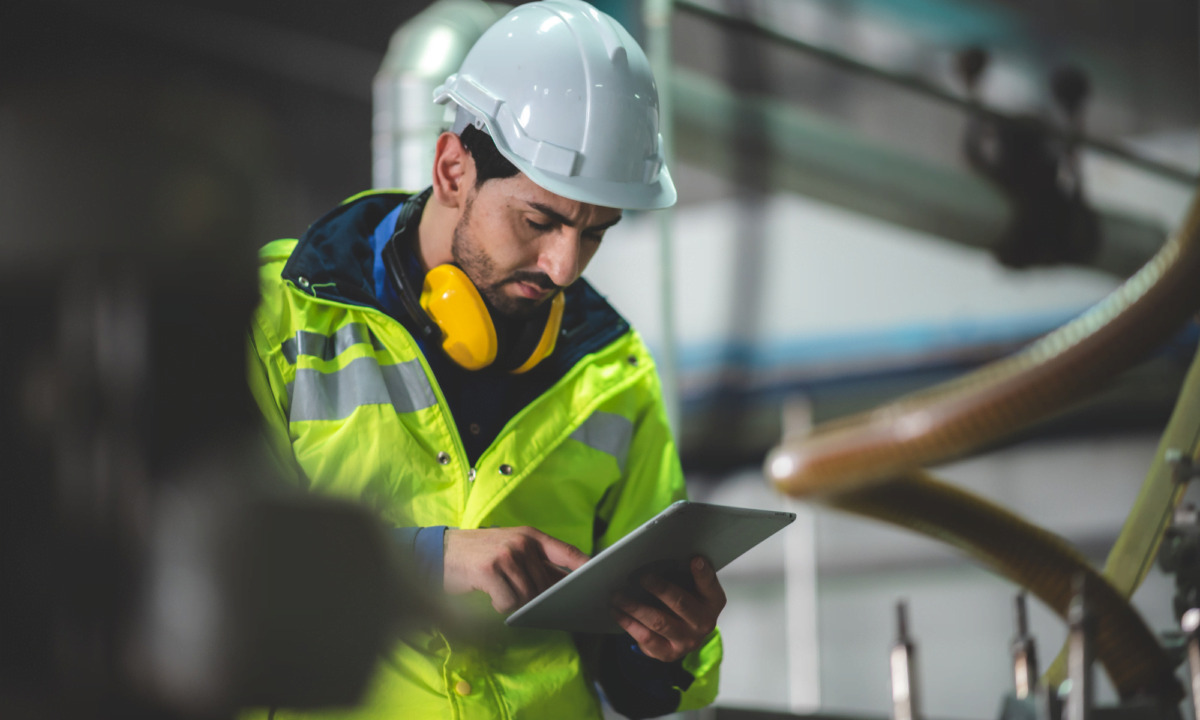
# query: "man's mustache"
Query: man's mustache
{"points": [[541, 280]]}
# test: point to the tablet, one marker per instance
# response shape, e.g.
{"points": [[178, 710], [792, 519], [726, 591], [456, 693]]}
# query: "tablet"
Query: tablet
{"points": [[665, 544]]}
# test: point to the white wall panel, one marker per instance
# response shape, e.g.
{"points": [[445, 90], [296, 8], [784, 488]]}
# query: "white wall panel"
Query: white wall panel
{"points": [[828, 287]]}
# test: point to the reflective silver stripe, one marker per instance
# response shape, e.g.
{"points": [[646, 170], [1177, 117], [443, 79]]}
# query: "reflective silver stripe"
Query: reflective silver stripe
{"points": [[407, 386], [315, 395], [607, 432], [324, 346]]}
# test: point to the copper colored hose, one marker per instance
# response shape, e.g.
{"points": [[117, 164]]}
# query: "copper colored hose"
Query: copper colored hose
{"points": [[865, 464], [1005, 396], [1030, 556]]}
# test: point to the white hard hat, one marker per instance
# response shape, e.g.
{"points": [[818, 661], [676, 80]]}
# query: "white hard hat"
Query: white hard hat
{"points": [[567, 96]]}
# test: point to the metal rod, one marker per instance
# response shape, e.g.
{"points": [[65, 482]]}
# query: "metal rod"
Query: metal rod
{"points": [[1191, 624], [905, 695], [1080, 655], [1025, 664], [922, 87], [657, 16]]}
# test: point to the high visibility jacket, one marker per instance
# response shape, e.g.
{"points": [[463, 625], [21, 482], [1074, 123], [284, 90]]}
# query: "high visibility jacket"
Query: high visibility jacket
{"points": [[354, 411]]}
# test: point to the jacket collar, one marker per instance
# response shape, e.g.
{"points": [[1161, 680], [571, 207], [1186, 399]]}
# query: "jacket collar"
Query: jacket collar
{"points": [[335, 260]]}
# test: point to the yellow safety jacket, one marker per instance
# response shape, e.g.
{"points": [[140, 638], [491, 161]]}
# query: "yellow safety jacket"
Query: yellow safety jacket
{"points": [[354, 411]]}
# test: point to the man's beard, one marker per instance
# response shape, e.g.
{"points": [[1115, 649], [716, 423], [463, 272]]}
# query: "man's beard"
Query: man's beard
{"points": [[479, 267]]}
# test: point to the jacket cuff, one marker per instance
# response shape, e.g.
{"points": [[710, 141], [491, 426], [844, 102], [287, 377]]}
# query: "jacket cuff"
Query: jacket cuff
{"points": [[425, 547], [636, 685]]}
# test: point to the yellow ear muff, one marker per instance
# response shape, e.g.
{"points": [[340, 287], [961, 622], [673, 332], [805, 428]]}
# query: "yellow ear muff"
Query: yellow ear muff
{"points": [[452, 301], [545, 346]]}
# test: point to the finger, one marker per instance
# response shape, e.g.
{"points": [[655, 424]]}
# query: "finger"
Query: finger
{"points": [[651, 643], [559, 552], [537, 570], [513, 570], [707, 585], [680, 601], [655, 620], [504, 599]]}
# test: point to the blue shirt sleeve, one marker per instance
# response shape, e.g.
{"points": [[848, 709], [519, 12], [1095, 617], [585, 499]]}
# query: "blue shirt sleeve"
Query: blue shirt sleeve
{"points": [[425, 547], [637, 685]]}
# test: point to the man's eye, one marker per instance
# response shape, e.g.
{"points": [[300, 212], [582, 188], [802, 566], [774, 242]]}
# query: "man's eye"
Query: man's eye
{"points": [[540, 227]]}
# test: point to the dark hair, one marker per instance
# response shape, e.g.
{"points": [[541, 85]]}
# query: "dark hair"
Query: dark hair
{"points": [[489, 163]]}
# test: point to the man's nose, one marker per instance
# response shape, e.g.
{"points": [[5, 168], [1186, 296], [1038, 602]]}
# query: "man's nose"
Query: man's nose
{"points": [[560, 257]]}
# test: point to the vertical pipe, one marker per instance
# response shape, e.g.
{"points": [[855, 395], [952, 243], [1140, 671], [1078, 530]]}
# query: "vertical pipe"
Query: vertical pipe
{"points": [[421, 54], [1025, 665], [1080, 654], [800, 580], [905, 695], [800, 594], [1191, 626], [657, 17]]}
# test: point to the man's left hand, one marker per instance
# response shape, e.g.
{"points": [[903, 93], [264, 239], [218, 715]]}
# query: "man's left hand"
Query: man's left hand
{"points": [[668, 636]]}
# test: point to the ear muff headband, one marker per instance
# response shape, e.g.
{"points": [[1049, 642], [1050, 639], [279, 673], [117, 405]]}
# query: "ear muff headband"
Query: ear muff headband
{"points": [[407, 289], [549, 337]]}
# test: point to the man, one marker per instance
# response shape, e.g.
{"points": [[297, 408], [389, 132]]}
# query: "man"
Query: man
{"points": [[438, 357]]}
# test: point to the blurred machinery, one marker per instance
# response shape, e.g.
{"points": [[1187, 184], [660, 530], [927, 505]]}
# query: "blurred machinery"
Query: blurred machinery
{"points": [[869, 464], [1039, 174], [1021, 178]]}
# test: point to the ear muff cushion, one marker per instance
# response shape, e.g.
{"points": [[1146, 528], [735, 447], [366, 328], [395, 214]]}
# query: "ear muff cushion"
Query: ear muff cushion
{"points": [[451, 300], [546, 338]]}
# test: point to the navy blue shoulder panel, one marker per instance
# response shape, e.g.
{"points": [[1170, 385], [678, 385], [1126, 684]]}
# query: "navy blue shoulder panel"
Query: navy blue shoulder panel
{"points": [[589, 324], [334, 255]]}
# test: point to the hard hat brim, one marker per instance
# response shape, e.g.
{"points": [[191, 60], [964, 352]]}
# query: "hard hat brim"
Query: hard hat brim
{"points": [[625, 196]]}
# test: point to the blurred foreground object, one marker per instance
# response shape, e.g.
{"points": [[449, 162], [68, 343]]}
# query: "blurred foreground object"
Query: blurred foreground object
{"points": [[149, 567]]}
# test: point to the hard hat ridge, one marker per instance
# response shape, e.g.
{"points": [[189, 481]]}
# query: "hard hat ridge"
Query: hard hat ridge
{"points": [[568, 97]]}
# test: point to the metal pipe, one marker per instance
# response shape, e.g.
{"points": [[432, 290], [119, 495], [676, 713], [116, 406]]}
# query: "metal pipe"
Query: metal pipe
{"points": [[1190, 623], [1081, 656], [421, 54], [905, 695], [1025, 664], [657, 17]]}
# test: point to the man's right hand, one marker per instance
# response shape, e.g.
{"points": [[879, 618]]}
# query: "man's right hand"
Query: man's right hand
{"points": [[511, 565]]}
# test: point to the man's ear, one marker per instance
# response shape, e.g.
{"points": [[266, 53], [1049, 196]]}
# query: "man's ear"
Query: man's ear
{"points": [[453, 171]]}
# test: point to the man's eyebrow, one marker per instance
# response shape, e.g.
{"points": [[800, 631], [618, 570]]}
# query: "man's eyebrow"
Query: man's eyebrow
{"points": [[604, 226], [561, 219]]}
